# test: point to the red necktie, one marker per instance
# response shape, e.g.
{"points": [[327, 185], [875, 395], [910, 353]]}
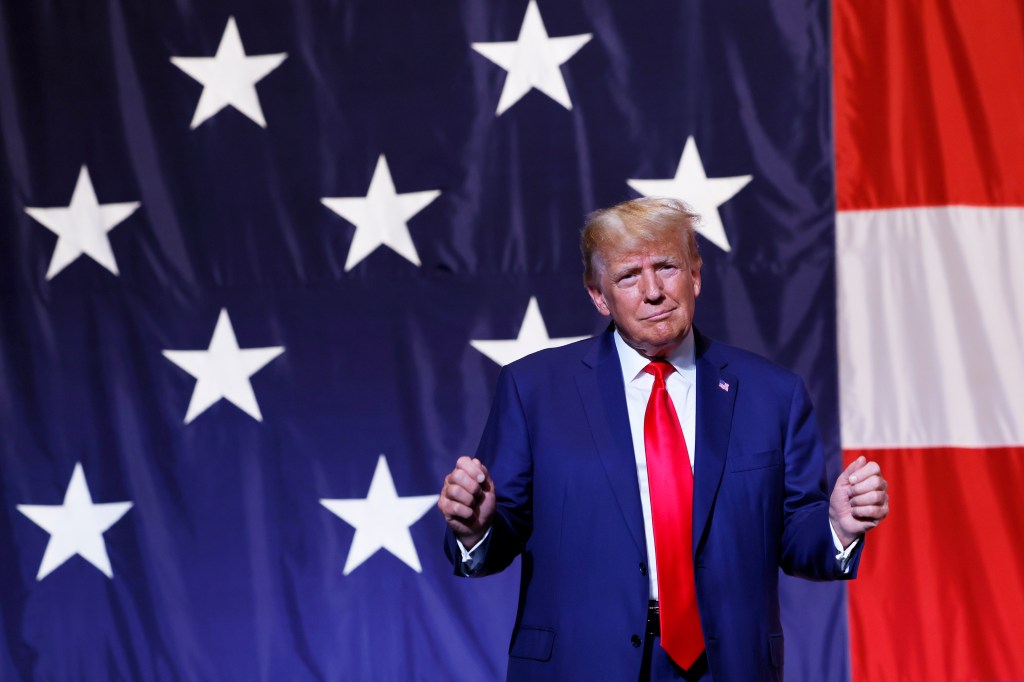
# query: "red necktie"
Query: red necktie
{"points": [[671, 484]]}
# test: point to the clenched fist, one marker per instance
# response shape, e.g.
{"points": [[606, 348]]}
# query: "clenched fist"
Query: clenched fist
{"points": [[468, 501], [859, 501]]}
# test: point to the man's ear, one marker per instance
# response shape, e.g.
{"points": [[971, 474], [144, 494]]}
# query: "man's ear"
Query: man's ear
{"points": [[598, 298], [696, 282]]}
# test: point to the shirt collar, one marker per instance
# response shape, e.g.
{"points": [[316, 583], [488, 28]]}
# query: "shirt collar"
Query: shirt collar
{"points": [[632, 362]]}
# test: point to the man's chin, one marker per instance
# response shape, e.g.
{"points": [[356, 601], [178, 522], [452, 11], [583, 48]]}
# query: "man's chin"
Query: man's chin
{"points": [[658, 345], [657, 348]]}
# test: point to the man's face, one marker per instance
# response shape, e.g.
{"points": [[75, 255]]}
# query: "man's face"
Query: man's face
{"points": [[649, 290]]}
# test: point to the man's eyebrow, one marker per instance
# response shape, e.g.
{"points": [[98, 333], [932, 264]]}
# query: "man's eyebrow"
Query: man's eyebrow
{"points": [[625, 270]]}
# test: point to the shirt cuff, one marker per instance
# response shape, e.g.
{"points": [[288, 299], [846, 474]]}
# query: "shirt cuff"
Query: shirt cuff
{"points": [[473, 558], [842, 555]]}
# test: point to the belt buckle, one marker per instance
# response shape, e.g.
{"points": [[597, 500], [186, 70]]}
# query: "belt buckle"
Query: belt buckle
{"points": [[653, 619]]}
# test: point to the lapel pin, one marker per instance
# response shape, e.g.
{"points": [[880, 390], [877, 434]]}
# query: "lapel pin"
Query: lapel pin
{"points": [[724, 385]]}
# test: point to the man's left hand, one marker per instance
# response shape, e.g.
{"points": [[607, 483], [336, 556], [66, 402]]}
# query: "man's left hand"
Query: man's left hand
{"points": [[859, 501]]}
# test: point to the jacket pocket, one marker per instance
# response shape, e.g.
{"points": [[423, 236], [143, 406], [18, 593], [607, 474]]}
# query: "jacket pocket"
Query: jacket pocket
{"points": [[776, 645], [533, 643], [755, 460]]}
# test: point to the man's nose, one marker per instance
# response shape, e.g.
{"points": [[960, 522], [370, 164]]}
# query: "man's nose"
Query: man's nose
{"points": [[650, 284]]}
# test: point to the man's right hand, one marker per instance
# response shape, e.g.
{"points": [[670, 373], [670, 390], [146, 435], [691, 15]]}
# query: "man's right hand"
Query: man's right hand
{"points": [[468, 501]]}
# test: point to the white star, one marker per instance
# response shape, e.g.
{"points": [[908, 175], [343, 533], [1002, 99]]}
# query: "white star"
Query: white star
{"points": [[533, 60], [223, 370], [75, 527], [692, 185], [533, 336], [229, 78], [82, 226], [381, 520], [381, 216]]}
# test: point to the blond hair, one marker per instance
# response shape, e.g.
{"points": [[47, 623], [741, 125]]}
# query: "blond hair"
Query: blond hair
{"points": [[647, 219]]}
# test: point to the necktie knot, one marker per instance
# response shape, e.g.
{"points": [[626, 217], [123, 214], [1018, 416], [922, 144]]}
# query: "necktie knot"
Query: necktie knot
{"points": [[660, 369]]}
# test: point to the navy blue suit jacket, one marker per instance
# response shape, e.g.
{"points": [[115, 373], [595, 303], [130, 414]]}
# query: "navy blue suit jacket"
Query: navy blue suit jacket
{"points": [[558, 447]]}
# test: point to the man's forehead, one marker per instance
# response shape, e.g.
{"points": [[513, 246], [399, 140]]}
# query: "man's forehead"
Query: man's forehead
{"points": [[636, 251]]}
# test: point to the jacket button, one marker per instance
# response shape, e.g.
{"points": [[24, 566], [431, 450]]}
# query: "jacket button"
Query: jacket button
{"points": [[635, 640], [643, 568]]}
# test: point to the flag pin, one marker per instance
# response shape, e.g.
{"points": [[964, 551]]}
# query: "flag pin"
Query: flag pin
{"points": [[724, 385]]}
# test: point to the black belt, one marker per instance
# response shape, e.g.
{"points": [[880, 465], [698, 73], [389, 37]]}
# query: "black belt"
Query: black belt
{"points": [[653, 619]]}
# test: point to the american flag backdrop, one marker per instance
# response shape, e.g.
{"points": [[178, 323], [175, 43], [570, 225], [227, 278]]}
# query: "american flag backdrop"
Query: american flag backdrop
{"points": [[929, 126], [261, 262]]}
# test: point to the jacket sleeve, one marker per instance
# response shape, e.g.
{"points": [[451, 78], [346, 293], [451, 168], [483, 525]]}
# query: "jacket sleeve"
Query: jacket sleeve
{"points": [[807, 547], [505, 450]]}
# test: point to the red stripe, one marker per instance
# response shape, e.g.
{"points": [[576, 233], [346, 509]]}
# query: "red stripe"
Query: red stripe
{"points": [[929, 108], [940, 594]]}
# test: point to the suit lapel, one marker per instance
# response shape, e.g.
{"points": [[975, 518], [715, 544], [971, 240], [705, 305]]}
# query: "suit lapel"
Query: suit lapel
{"points": [[609, 425], [716, 395]]}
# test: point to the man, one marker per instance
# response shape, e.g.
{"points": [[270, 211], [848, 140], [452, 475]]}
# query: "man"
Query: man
{"points": [[653, 481]]}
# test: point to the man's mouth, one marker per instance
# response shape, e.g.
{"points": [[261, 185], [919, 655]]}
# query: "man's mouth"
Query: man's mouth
{"points": [[660, 315]]}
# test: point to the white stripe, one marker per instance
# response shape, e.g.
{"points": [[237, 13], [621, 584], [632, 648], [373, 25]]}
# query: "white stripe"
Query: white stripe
{"points": [[931, 326]]}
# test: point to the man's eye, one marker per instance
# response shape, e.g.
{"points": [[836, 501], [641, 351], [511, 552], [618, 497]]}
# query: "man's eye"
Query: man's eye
{"points": [[626, 280]]}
